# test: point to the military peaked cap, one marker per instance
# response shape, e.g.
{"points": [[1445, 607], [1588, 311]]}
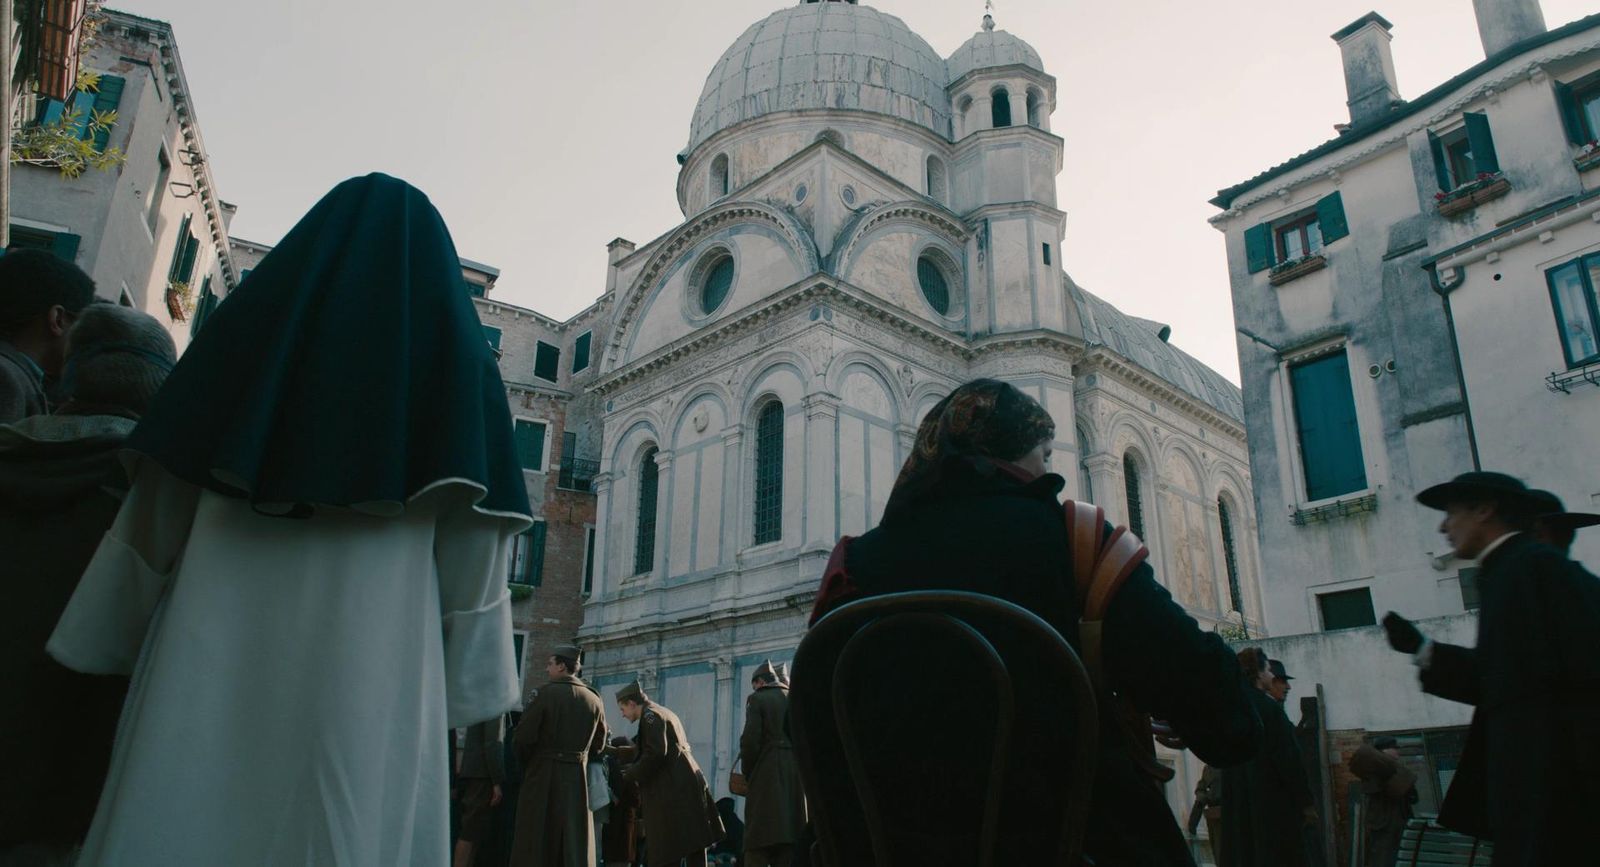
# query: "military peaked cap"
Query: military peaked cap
{"points": [[569, 651], [632, 692]]}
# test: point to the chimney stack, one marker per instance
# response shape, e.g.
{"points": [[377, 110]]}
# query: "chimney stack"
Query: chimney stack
{"points": [[1369, 77], [616, 251], [1504, 23]]}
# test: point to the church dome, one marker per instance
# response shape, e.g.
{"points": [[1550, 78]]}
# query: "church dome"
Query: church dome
{"points": [[825, 55], [991, 48]]}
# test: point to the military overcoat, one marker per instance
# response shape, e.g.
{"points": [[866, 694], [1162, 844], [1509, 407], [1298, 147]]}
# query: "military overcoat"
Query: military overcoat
{"points": [[563, 727], [680, 817], [775, 808]]}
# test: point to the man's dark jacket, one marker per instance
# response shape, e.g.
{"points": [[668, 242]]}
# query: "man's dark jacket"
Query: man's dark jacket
{"points": [[57, 475], [1264, 799], [986, 531], [1534, 678]]}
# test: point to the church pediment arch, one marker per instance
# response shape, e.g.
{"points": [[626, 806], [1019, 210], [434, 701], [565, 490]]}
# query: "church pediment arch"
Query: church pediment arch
{"points": [[860, 363], [920, 216], [687, 241]]}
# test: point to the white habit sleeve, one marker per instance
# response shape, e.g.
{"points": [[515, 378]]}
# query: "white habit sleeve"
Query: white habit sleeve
{"points": [[480, 672]]}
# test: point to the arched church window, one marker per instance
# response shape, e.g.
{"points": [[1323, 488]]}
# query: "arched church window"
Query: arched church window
{"points": [[1000, 107], [644, 542], [1035, 109], [712, 280], [1130, 481], [719, 176], [964, 115], [1230, 559], [935, 286], [769, 473], [936, 179]]}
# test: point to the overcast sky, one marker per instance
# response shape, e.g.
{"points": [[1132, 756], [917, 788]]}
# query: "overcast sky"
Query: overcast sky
{"points": [[543, 129]]}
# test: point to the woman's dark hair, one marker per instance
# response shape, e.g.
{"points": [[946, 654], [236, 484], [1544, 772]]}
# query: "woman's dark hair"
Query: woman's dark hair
{"points": [[1252, 660]]}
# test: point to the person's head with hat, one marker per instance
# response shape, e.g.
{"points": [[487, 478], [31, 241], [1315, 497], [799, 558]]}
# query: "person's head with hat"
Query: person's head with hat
{"points": [[783, 674], [765, 676], [632, 701], [566, 660], [1480, 508], [1279, 688], [1554, 525]]}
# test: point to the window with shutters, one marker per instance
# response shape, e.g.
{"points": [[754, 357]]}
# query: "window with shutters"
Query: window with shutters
{"points": [[546, 361], [588, 560], [527, 556], [90, 112], [1346, 609], [1295, 244], [1230, 557], [63, 244], [530, 437], [1465, 165], [1328, 430], [158, 191], [1572, 295], [1579, 102], [203, 307], [580, 351], [492, 334], [1000, 107], [644, 537], [186, 249], [769, 474], [1131, 488]]}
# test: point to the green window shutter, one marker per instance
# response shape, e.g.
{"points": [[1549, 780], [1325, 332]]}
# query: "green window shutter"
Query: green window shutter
{"points": [[1258, 247], [1571, 120], [202, 307], [492, 334], [1482, 143], [1330, 437], [107, 100], [177, 253], [580, 351], [546, 361], [65, 246], [530, 444], [534, 576], [1441, 166], [50, 111], [1330, 217], [191, 251], [82, 104]]}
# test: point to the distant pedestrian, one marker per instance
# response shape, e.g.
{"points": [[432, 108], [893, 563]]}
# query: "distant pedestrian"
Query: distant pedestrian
{"points": [[307, 578], [1388, 790], [563, 729], [60, 487], [40, 297], [1266, 802], [1529, 775], [1279, 687], [619, 844], [680, 819], [482, 776], [775, 807], [1553, 525], [730, 850]]}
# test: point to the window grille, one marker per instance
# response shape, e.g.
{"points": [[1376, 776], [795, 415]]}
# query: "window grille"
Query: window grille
{"points": [[769, 473], [1130, 479], [1229, 557], [644, 545]]}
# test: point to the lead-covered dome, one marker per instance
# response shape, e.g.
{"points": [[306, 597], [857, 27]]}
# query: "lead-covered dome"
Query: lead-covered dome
{"points": [[991, 48], [827, 55]]}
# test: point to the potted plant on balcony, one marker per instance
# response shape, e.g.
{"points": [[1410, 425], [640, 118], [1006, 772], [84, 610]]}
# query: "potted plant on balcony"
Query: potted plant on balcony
{"points": [[1487, 186], [1283, 272], [180, 300]]}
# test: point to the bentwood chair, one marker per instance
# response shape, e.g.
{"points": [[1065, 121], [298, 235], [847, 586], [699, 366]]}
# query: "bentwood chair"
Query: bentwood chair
{"points": [[943, 728]]}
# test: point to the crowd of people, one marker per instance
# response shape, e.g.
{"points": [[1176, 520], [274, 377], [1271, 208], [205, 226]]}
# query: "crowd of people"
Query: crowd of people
{"points": [[256, 592]]}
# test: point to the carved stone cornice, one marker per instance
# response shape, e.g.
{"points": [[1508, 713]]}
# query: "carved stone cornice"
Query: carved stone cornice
{"points": [[1179, 401]]}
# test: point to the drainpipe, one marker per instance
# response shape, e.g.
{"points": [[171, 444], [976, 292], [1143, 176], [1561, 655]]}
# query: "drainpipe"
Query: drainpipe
{"points": [[1455, 348]]}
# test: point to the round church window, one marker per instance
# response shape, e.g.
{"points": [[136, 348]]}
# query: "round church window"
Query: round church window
{"points": [[718, 280], [935, 287]]}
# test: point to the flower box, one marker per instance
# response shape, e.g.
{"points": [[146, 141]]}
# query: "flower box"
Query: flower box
{"points": [[180, 301], [1286, 271], [1588, 159], [1468, 196]]}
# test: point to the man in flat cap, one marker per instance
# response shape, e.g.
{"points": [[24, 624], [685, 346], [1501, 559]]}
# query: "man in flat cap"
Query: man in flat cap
{"points": [[775, 808], [1534, 678], [680, 819], [561, 731]]}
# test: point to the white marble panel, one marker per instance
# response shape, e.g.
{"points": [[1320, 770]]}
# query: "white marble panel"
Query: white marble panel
{"points": [[852, 476], [880, 445], [682, 518], [708, 512]]}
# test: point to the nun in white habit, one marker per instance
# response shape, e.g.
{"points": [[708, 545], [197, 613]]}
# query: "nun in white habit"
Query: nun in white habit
{"points": [[307, 580]]}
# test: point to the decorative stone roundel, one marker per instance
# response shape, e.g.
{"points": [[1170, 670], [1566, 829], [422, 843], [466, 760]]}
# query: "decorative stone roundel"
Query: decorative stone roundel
{"points": [[848, 195], [799, 194]]}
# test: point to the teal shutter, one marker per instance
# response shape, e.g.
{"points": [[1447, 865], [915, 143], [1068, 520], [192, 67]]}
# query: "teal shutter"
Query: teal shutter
{"points": [[65, 246], [1258, 247], [530, 444], [534, 563], [51, 112], [177, 254], [1571, 120], [1330, 437], [1330, 218], [1482, 143], [492, 334], [1441, 166], [82, 103], [107, 100], [191, 251], [580, 351], [202, 308]]}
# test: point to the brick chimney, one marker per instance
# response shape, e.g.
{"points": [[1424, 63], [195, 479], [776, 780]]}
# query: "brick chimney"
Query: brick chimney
{"points": [[1504, 23], [1369, 78]]}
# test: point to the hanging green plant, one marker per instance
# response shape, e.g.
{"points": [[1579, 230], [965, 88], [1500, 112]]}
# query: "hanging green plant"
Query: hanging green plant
{"points": [[74, 141]]}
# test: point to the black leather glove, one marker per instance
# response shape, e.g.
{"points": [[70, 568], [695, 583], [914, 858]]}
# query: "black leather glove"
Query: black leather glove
{"points": [[1403, 634]]}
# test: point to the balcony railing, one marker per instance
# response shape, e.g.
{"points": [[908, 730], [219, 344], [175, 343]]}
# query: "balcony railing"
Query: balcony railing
{"points": [[577, 474]]}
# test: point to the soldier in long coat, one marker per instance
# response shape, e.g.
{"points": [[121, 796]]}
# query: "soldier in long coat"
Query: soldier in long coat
{"points": [[680, 819], [561, 731], [1266, 802], [1529, 776], [775, 808]]}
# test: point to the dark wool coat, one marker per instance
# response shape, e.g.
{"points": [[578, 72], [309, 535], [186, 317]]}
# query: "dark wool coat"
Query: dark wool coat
{"points": [[619, 839], [1264, 799], [679, 816], [988, 532], [775, 808], [558, 733], [57, 726], [1534, 678]]}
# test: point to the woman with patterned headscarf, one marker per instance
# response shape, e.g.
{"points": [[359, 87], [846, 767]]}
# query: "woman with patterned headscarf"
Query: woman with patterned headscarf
{"points": [[976, 509], [307, 579]]}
